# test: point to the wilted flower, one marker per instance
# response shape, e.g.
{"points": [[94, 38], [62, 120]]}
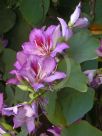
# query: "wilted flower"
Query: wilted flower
{"points": [[24, 114], [56, 131], [99, 50], [45, 42], [76, 20], [35, 70]]}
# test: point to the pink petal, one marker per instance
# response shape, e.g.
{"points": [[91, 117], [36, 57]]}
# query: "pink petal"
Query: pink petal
{"points": [[59, 49], [63, 25], [21, 57], [30, 124], [36, 33], [37, 86], [13, 81], [28, 48], [66, 31], [17, 65], [90, 74], [81, 22], [18, 122], [29, 111], [55, 76], [48, 65], [56, 35], [50, 30]]}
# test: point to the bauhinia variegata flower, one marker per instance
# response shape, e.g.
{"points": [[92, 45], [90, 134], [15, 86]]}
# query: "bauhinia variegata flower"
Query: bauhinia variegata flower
{"points": [[76, 20]]}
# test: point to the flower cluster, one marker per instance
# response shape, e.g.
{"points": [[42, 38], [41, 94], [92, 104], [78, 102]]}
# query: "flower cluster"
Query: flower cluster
{"points": [[36, 63], [36, 67]]}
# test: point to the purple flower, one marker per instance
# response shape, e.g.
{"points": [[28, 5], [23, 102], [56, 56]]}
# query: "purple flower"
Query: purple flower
{"points": [[45, 42], [24, 114], [56, 131], [94, 79], [90, 74], [99, 50], [76, 20], [37, 71]]}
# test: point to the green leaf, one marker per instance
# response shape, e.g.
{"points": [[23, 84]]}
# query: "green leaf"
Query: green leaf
{"points": [[20, 96], [64, 66], [81, 129], [9, 95], [54, 111], [34, 11], [83, 46], [75, 104], [19, 34], [1, 47], [89, 65], [98, 12], [75, 78], [14, 95], [7, 20], [8, 57]]}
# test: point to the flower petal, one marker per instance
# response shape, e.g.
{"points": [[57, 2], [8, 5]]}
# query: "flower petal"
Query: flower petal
{"points": [[30, 124], [11, 110], [19, 119], [59, 49], [90, 74], [23, 56], [76, 14], [28, 48], [18, 122], [63, 25], [81, 22], [29, 111], [13, 81], [66, 31], [55, 76], [48, 65], [50, 30], [56, 35], [37, 35], [37, 86]]}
